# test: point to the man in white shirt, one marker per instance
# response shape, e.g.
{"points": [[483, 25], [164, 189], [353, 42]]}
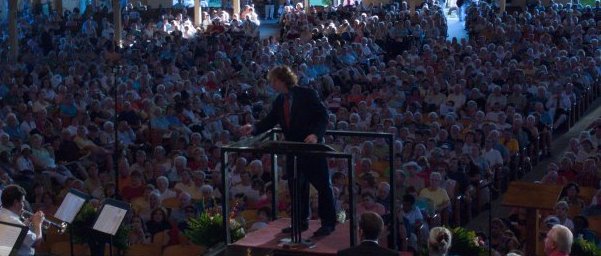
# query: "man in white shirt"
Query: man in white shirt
{"points": [[491, 155], [28, 123], [13, 200], [245, 187]]}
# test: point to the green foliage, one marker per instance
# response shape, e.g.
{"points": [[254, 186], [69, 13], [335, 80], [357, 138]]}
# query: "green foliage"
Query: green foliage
{"points": [[83, 232], [465, 242], [83, 223], [583, 247], [207, 229]]}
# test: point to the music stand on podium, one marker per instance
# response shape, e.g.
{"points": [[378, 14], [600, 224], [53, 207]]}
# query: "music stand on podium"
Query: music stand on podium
{"points": [[109, 219], [69, 209], [11, 238], [262, 144]]}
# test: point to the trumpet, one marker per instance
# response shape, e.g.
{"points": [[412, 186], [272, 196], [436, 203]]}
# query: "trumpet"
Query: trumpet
{"points": [[61, 227]]}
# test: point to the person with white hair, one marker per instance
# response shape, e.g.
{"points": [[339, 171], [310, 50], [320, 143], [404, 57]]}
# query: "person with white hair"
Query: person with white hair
{"points": [[439, 241], [179, 214], [383, 194], [163, 188], [558, 241], [180, 164]]}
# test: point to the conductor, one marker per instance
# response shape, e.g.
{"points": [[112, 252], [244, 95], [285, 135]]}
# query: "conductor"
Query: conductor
{"points": [[13, 201], [303, 118]]}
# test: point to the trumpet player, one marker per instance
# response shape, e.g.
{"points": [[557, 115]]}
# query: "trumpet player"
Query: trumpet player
{"points": [[13, 201]]}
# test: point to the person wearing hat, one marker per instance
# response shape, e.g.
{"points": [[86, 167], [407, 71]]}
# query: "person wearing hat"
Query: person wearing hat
{"points": [[25, 161], [586, 150], [596, 135], [560, 216], [413, 179]]}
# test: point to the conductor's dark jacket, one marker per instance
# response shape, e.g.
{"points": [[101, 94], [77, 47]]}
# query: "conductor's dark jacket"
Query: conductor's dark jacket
{"points": [[307, 115], [367, 248]]}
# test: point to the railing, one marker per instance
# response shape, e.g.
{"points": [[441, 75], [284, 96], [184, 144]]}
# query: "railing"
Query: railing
{"points": [[272, 134]]}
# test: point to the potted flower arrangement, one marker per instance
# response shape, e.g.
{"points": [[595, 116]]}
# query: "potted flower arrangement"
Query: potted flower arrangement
{"points": [[207, 229], [583, 247], [466, 242]]}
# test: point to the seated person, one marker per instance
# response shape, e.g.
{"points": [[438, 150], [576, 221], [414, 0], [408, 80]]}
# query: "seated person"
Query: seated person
{"points": [[158, 223], [263, 217], [370, 230], [163, 188], [93, 184], [561, 213], [190, 211], [143, 201], [435, 193], [245, 187], [135, 189], [581, 228], [24, 163], [43, 159], [369, 204], [207, 201], [185, 184], [179, 214], [137, 233], [198, 178], [439, 242], [413, 179], [570, 194]]}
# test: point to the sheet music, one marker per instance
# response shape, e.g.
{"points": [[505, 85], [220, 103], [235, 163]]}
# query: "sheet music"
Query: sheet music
{"points": [[69, 208], [110, 219], [8, 237]]}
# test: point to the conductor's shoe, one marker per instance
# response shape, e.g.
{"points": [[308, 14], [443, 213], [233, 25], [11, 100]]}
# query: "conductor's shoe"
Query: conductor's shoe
{"points": [[323, 231], [303, 227]]}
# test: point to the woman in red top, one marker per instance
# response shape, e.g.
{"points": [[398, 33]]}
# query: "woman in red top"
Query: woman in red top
{"points": [[355, 96]]}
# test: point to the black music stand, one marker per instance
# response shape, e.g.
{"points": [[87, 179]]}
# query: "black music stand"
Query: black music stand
{"points": [[69, 209], [262, 144], [109, 219], [11, 238]]}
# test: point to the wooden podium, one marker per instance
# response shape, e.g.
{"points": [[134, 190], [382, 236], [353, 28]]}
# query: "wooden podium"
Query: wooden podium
{"points": [[533, 197]]}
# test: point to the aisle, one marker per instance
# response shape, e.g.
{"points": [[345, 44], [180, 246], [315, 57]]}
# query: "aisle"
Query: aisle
{"points": [[456, 27], [269, 28]]}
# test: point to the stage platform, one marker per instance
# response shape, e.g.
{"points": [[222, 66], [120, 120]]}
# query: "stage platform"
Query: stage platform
{"points": [[267, 241]]}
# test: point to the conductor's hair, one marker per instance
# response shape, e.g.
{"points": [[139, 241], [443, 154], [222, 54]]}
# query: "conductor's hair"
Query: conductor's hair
{"points": [[371, 225], [284, 74]]}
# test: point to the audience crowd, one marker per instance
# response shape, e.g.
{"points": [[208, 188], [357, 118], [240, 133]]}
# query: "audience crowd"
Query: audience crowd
{"points": [[462, 112]]}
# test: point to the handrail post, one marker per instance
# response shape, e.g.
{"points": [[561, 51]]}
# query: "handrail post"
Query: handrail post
{"points": [[392, 195], [225, 198], [274, 181], [351, 180]]}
